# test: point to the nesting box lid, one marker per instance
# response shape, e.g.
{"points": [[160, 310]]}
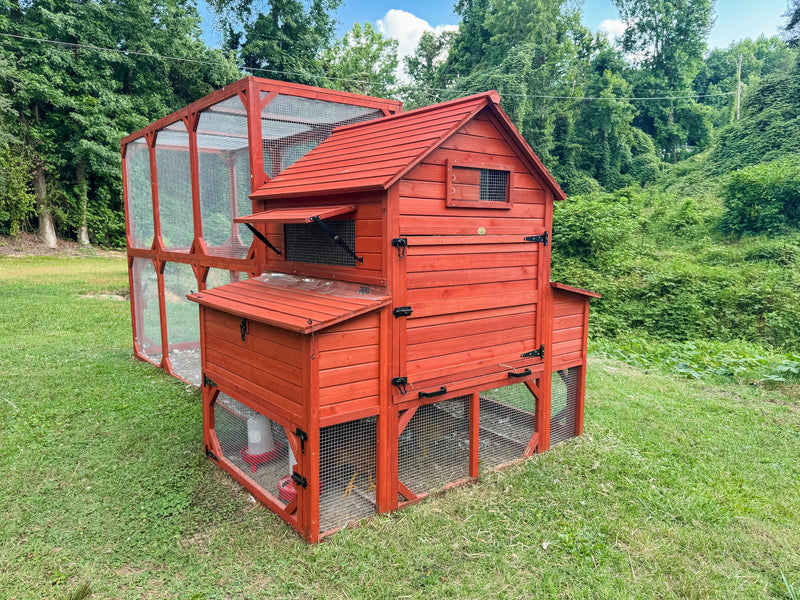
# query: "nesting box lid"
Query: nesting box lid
{"points": [[296, 303]]}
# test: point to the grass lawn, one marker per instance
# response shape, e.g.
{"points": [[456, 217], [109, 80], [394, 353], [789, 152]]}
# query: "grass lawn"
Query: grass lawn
{"points": [[678, 489]]}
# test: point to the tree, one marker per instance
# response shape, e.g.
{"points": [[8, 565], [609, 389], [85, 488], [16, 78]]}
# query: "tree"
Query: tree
{"points": [[363, 62], [424, 68], [792, 28]]}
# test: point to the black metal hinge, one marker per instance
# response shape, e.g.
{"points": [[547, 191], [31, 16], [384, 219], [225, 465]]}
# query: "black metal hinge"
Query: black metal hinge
{"points": [[534, 353], [243, 328], [207, 381], [401, 383], [303, 437], [299, 480], [539, 238], [402, 311], [210, 454], [401, 244]]}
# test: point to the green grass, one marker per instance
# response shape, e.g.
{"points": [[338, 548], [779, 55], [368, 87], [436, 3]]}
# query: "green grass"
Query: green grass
{"points": [[678, 489]]}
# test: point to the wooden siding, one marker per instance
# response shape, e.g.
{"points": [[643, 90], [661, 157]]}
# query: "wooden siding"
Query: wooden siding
{"points": [[267, 366], [349, 368], [569, 329]]}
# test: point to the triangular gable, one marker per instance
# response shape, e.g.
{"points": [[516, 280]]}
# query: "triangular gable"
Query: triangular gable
{"points": [[375, 154]]}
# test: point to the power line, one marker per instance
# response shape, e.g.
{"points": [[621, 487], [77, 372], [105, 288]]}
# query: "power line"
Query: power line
{"points": [[361, 81]]}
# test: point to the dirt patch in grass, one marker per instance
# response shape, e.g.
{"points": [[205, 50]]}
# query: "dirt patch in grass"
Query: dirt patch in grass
{"points": [[28, 244]]}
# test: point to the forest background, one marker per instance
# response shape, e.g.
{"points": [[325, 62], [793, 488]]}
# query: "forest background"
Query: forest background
{"points": [[682, 164]]}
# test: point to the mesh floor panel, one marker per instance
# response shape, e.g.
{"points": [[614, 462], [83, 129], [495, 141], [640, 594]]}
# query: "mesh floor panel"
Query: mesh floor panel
{"points": [[140, 194], [507, 422], [309, 243], [145, 298], [174, 188], [347, 472], [224, 178], [494, 185], [183, 321], [292, 126], [434, 447], [230, 425], [563, 404]]}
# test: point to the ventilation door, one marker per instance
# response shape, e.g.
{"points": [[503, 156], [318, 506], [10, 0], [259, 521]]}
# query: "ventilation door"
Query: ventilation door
{"points": [[473, 309]]}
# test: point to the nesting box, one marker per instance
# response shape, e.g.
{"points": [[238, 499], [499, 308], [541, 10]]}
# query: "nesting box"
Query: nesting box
{"points": [[397, 332]]}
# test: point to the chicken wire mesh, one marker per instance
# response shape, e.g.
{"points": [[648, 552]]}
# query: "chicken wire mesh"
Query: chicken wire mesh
{"points": [[309, 243], [218, 277], [174, 188], [254, 444], [183, 322], [564, 404], [140, 194], [145, 302], [347, 472], [224, 173], [507, 422], [292, 126], [494, 185], [433, 449]]}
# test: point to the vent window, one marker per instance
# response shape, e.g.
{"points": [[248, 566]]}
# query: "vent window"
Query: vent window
{"points": [[494, 185], [309, 243], [479, 187]]}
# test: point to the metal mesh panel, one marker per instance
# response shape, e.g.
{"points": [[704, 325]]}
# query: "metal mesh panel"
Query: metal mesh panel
{"points": [[145, 301], [224, 178], [292, 126], [494, 185], [240, 429], [434, 446], [218, 277], [174, 188], [347, 472], [140, 194], [563, 404], [507, 423], [183, 321], [308, 242]]}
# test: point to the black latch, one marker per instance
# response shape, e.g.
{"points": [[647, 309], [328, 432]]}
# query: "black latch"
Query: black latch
{"points": [[303, 437], [401, 383], [515, 375], [534, 353], [210, 454], [299, 480], [207, 381], [400, 244], [440, 392], [538, 238], [243, 328], [402, 311]]}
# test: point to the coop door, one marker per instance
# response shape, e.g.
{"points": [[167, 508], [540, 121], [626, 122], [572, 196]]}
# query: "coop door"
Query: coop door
{"points": [[472, 309]]}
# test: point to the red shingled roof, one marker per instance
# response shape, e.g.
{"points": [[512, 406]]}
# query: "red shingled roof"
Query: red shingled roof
{"points": [[373, 155]]}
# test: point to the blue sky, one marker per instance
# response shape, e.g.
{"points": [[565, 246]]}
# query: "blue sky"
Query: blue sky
{"points": [[735, 19]]}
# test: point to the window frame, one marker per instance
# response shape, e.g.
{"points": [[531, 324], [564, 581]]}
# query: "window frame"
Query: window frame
{"points": [[450, 192]]}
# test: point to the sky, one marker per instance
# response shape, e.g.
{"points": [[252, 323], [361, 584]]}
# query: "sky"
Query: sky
{"points": [[405, 21]]}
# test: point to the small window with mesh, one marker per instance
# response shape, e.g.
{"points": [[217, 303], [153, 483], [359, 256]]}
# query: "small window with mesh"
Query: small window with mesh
{"points": [[310, 243], [479, 186]]}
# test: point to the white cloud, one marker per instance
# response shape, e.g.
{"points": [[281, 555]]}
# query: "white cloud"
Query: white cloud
{"points": [[407, 29], [614, 28]]}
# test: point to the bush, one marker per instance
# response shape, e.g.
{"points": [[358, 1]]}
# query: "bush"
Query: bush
{"points": [[16, 195], [763, 198]]}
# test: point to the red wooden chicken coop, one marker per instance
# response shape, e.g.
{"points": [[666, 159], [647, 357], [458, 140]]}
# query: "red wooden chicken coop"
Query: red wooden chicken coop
{"points": [[376, 320]]}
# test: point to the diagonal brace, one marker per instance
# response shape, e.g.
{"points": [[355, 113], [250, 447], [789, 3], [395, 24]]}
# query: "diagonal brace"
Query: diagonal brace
{"points": [[261, 237], [336, 238]]}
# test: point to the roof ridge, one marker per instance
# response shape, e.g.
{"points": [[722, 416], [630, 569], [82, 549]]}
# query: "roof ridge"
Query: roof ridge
{"points": [[491, 96]]}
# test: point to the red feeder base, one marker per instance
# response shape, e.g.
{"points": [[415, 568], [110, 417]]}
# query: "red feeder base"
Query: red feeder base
{"points": [[286, 491], [256, 459]]}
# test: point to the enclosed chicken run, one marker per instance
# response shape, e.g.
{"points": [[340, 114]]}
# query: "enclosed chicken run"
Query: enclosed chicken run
{"points": [[376, 322]]}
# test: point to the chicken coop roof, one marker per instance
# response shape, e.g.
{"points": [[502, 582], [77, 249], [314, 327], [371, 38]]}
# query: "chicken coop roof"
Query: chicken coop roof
{"points": [[373, 155]]}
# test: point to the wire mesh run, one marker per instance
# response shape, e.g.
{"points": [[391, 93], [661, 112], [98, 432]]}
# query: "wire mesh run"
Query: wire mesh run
{"points": [[293, 126], [183, 322], [140, 194], [507, 422], [254, 444], [218, 277], [434, 447], [174, 188], [145, 302], [223, 165], [309, 243], [347, 472], [494, 185], [564, 404]]}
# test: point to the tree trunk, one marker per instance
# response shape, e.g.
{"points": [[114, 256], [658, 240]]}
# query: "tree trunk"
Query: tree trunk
{"points": [[47, 230], [80, 177]]}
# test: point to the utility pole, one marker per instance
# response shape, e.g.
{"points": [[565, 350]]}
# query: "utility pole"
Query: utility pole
{"points": [[738, 85]]}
